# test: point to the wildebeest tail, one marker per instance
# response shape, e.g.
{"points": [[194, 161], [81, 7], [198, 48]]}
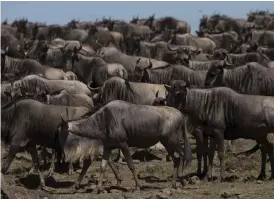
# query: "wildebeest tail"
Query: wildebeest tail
{"points": [[187, 147]]}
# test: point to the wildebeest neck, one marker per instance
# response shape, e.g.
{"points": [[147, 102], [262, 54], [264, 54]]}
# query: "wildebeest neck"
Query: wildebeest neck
{"points": [[12, 64]]}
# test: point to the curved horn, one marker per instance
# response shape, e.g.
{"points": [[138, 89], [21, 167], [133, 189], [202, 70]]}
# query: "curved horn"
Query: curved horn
{"points": [[92, 89], [197, 46], [157, 93], [172, 49], [225, 61], [150, 63], [80, 47]]}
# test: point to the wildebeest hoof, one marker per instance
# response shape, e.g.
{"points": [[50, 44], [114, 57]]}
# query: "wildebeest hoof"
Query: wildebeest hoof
{"points": [[261, 177], [75, 186], [42, 186], [220, 179], [70, 172], [98, 189], [271, 177]]}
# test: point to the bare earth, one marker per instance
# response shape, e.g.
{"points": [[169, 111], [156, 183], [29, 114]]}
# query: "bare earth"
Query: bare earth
{"points": [[155, 177]]}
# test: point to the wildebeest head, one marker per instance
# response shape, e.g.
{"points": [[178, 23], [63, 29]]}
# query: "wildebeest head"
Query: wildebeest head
{"points": [[214, 76], [179, 55], [220, 54], [145, 74], [16, 92], [149, 21], [159, 101], [177, 92]]}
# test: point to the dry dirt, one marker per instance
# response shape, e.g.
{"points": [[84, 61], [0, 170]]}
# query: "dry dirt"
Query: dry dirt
{"points": [[155, 178]]}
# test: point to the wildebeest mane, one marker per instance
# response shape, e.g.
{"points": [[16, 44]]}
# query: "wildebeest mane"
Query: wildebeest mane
{"points": [[55, 32], [12, 64], [32, 85], [161, 75], [119, 88], [251, 79]]}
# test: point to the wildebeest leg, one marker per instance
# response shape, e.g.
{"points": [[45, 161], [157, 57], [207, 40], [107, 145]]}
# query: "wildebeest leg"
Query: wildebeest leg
{"points": [[221, 150], [34, 156], [171, 148], [13, 149], [52, 164], [205, 154], [180, 169], [263, 164], [211, 153], [269, 148], [44, 153], [87, 163], [128, 158], [199, 146], [104, 164], [116, 172], [70, 171]]}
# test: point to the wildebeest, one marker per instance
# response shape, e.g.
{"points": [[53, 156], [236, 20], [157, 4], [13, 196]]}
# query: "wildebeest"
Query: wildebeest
{"points": [[228, 115], [221, 23], [252, 78], [269, 52], [206, 44], [174, 72], [13, 47], [28, 122], [22, 67], [35, 83], [113, 125], [62, 97], [95, 69], [117, 88], [240, 59]]}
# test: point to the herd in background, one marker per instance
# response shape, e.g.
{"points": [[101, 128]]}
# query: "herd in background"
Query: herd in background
{"points": [[86, 88]]}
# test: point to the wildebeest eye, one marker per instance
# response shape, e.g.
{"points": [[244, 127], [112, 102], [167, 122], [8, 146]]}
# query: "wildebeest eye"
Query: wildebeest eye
{"points": [[212, 74]]}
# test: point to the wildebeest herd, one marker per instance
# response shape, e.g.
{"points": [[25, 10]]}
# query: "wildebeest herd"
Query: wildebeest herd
{"points": [[86, 88]]}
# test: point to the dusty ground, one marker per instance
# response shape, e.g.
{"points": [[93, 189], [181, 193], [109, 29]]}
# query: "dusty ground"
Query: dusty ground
{"points": [[155, 177]]}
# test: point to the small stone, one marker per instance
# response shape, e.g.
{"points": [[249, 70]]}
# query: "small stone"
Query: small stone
{"points": [[161, 196], [93, 186], [166, 191], [194, 180], [116, 191], [260, 182]]}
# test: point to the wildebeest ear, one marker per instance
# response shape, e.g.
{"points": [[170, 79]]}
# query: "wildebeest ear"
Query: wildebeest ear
{"points": [[157, 94], [168, 88], [199, 51], [7, 93], [138, 60], [187, 85], [75, 50], [150, 64]]}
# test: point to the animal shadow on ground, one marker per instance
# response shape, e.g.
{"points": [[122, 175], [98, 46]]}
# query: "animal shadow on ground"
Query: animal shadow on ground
{"points": [[32, 182], [152, 179], [144, 156]]}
